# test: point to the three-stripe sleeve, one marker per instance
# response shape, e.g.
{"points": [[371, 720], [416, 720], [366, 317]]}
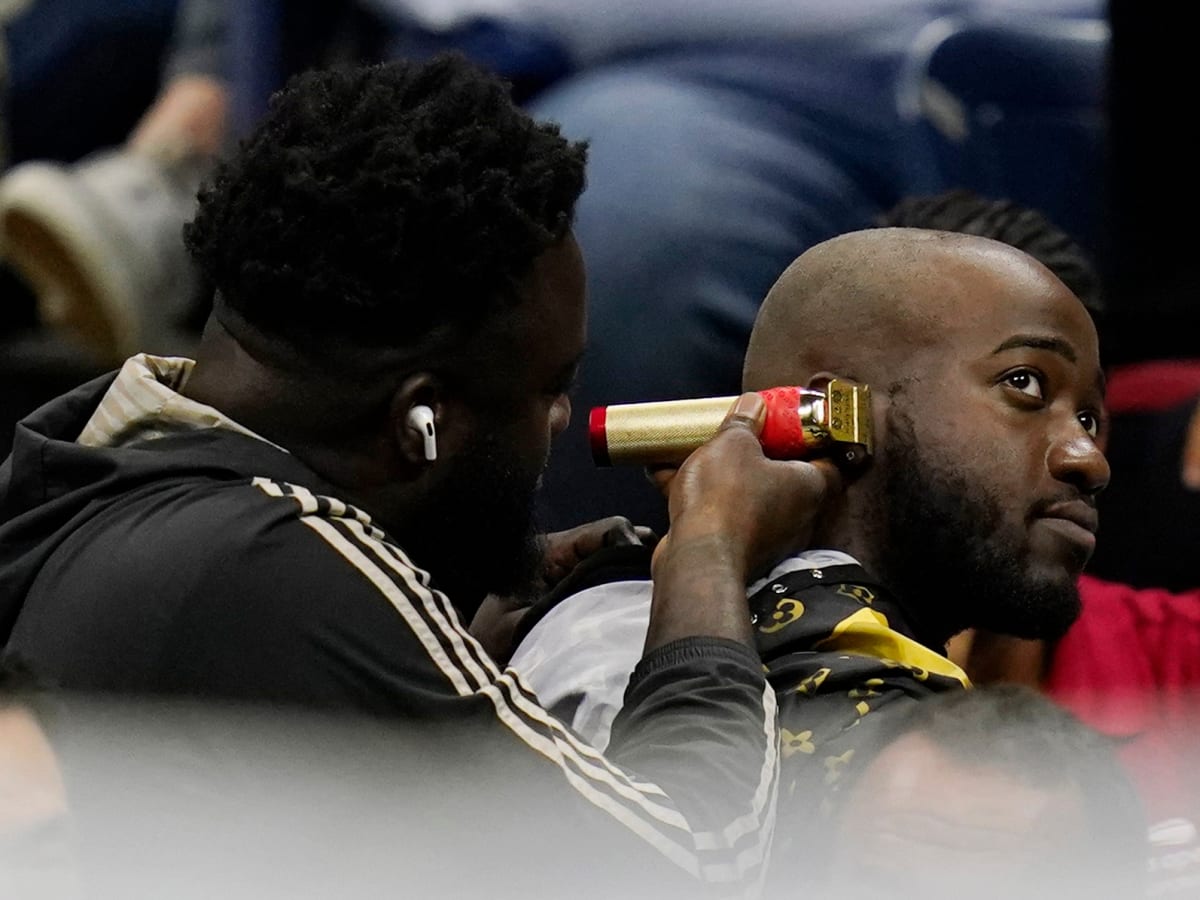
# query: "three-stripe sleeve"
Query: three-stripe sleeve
{"points": [[693, 766]]}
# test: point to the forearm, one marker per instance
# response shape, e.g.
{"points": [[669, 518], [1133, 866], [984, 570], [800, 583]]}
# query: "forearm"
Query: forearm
{"points": [[189, 117], [699, 590], [699, 721]]}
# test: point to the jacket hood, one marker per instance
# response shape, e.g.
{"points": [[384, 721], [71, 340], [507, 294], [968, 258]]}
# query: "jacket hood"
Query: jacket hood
{"points": [[50, 485]]}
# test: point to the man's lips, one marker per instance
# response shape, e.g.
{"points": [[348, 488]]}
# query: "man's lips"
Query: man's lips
{"points": [[1080, 512], [1076, 520]]}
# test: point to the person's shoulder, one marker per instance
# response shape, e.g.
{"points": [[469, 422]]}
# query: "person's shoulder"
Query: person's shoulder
{"points": [[194, 529], [218, 510], [290, 530], [1132, 623]]}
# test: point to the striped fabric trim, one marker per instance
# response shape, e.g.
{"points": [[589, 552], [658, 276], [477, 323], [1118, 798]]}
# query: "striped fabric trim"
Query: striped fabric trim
{"points": [[640, 806]]}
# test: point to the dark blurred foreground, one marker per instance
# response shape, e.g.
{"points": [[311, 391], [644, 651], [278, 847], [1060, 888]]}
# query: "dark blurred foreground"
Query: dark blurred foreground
{"points": [[120, 799]]}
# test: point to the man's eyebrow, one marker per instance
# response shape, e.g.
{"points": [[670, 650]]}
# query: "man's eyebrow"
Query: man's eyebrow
{"points": [[1039, 342]]}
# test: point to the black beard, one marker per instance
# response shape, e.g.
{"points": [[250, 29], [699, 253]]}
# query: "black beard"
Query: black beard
{"points": [[477, 534], [952, 560]]}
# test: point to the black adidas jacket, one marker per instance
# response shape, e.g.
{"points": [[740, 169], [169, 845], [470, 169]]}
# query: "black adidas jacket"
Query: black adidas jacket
{"points": [[211, 564]]}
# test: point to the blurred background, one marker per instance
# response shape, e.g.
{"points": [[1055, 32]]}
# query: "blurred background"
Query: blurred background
{"points": [[726, 139]]}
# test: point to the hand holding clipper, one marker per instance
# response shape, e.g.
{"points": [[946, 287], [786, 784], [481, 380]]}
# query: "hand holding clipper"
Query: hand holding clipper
{"points": [[802, 423]]}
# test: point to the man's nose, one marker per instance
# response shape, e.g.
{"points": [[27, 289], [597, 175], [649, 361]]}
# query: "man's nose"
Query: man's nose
{"points": [[1077, 459]]}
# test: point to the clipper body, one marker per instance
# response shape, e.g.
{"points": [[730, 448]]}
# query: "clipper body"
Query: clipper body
{"points": [[801, 423]]}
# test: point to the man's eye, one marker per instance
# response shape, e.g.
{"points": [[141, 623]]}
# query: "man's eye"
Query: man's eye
{"points": [[564, 382], [562, 389], [1090, 422], [1026, 382]]}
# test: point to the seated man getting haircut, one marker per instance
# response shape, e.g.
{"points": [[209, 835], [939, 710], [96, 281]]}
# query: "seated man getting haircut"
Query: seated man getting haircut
{"points": [[977, 508]]}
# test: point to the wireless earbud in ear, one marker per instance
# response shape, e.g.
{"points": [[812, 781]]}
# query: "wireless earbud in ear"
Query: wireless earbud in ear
{"points": [[420, 417]]}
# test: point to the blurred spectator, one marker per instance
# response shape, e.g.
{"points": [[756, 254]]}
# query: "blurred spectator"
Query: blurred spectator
{"points": [[109, 798], [1129, 668], [989, 793], [99, 239]]}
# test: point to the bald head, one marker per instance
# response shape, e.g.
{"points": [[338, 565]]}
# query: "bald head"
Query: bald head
{"points": [[987, 402], [868, 304]]}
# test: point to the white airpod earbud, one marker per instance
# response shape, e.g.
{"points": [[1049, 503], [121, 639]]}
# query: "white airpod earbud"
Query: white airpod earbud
{"points": [[420, 417]]}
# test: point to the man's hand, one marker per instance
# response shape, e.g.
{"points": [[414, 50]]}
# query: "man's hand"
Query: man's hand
{"points": [[495, 622], [567, 549], [734, 513], [1190, 464], [497, 618], [767, 507]]}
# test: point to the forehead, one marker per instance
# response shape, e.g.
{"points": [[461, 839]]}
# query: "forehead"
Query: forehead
{"points": [[967, 806], [1005, 290], [972, 301]]}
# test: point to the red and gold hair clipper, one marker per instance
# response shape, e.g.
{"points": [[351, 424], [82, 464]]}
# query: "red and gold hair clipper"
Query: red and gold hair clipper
{"points": [[801, 423]]}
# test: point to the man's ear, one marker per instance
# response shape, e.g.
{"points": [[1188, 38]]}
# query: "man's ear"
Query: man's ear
{"points": [[426, 423], [818, 381]]}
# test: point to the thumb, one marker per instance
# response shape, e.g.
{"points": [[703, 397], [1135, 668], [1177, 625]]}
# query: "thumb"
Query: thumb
{"points": [[749, 411]]}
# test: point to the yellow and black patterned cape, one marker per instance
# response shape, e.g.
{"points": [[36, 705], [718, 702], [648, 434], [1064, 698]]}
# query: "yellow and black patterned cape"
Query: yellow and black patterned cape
{"points": [[842, 658]]}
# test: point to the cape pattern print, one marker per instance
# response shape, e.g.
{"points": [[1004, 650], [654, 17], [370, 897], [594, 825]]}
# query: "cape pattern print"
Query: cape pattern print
{"points": [[838, 652]]}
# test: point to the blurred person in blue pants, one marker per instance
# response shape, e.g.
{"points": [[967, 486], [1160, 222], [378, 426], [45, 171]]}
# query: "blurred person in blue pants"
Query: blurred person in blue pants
{"points": [[725, 140]]}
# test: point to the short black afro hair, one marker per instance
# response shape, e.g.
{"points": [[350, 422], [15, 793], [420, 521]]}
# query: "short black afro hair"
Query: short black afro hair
{"points": [[380, 203]]}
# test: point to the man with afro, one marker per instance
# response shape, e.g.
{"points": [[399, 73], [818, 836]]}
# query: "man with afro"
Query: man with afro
{"points": [[312, 511]]}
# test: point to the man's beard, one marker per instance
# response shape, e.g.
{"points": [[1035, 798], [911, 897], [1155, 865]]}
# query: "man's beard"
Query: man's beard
{"points": [[478, 533], [953, 560]]}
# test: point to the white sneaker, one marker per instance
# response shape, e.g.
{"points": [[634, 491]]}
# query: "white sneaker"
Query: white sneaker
{"points": [[101, 244]]}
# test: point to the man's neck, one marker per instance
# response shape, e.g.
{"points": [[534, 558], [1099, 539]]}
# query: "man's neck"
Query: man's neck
{"points": [[859, 541], [333, 434]]}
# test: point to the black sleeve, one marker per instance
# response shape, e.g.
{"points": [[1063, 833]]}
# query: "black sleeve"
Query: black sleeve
{"points": [[319, 607]]}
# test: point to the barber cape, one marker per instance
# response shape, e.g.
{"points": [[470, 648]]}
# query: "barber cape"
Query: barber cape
{"points": [[835, 645]]}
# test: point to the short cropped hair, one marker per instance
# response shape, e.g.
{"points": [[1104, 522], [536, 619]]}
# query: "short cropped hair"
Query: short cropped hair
{"points": [[1023, 733], [381, 203], [1003, 220]]}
